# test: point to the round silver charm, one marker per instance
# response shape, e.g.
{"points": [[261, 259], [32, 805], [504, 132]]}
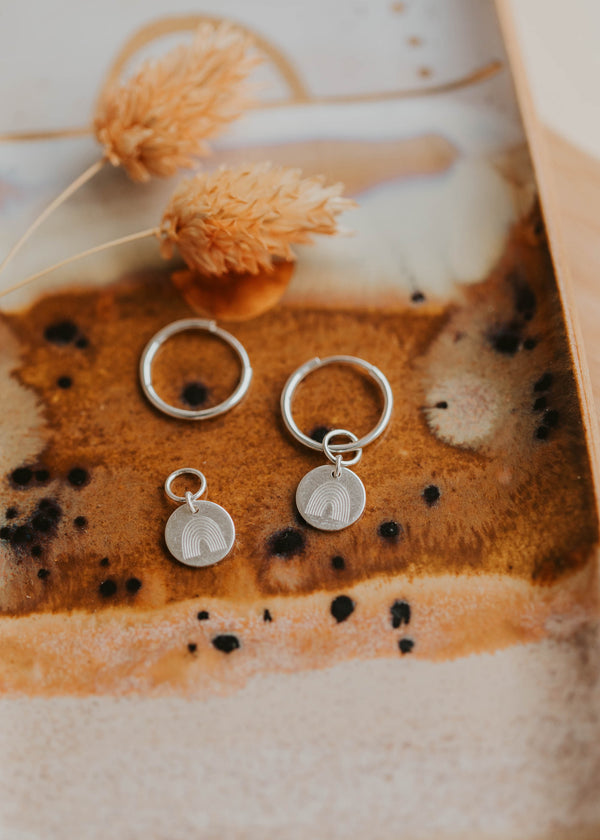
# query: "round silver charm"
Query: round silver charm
{"points": [[201, 538], [330, 503]]}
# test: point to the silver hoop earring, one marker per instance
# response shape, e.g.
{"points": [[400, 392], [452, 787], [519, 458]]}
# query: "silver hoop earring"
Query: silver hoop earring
{"points": [[181, 326], [199, 533], [333, 498]]}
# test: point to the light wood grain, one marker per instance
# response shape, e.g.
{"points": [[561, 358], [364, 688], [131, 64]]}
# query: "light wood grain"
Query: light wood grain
{"points": [[569, 187]]}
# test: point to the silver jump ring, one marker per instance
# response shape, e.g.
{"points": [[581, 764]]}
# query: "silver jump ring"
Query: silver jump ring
{"points": [[193, 496], [337, 458], [181, 326], [303, 371]]}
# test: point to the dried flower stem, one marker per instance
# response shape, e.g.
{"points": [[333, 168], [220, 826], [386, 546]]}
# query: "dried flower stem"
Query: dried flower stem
{"points": [[159, 120], [132, 237], [68, 191], [240, 220]]}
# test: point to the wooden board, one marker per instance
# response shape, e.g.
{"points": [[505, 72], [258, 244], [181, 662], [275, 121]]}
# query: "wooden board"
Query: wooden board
{"points": [[567, 167]]}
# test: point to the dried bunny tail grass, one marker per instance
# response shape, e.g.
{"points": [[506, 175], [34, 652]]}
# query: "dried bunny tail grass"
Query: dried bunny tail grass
{"points": [[241, 219], [158, 121]]}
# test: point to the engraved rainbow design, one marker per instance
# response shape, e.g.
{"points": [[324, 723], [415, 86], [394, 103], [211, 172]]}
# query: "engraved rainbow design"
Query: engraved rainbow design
{"points": [[199, 530], [331, 501]]}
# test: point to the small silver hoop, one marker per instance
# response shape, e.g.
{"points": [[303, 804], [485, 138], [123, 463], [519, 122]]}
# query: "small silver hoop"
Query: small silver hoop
{"points": [[303, 371], [182, 326], [188, 496], [337, 459]]}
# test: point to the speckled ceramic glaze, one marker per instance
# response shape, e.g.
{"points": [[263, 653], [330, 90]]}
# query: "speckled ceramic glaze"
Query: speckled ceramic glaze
{"points": [[482, 474]]}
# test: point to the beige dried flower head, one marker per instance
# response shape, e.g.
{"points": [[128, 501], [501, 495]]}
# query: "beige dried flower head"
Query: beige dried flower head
{"points": [[159, 120], [241, 219], [237, 222]]}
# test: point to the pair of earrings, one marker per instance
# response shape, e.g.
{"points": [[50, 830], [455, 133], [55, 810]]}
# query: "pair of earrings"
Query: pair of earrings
{"points": [[330, 497]]}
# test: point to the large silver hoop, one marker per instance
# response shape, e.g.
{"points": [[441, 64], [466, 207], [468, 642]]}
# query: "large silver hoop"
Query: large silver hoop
{"points": [[182, 326], [298, 375]]}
